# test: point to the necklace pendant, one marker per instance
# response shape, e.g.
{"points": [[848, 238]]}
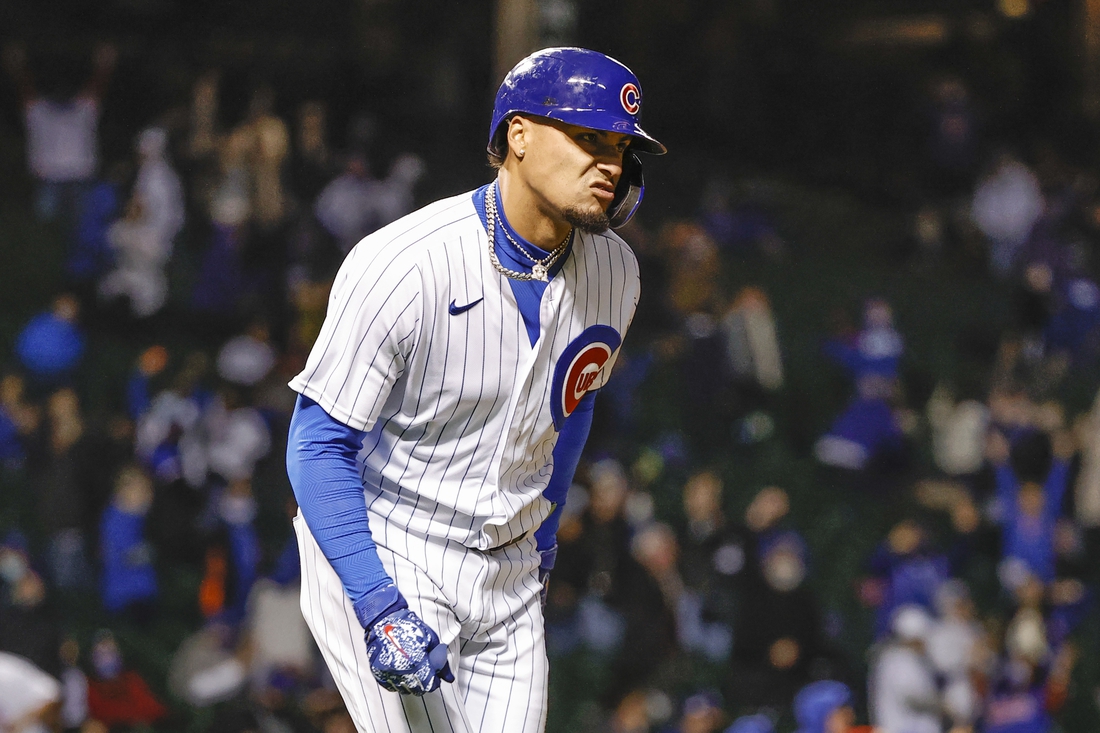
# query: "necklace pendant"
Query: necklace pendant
{"points": [[539, 271]]}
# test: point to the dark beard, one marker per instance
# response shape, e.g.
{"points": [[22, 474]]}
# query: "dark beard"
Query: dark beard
{"points": [[593, 222]]}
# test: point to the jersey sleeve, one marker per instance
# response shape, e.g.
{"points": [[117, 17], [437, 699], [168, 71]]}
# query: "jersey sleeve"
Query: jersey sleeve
{"points": [[370, 331]]}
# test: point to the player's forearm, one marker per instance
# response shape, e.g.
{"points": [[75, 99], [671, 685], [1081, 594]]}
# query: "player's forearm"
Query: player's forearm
{"points": [[321, 464]]}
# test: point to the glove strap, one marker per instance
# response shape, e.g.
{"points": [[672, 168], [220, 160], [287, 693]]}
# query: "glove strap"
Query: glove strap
{"points": [[378, 604], [549, 557]]}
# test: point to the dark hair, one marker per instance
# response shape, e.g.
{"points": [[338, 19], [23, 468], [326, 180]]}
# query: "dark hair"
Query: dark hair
{"points": [[498, 148]]}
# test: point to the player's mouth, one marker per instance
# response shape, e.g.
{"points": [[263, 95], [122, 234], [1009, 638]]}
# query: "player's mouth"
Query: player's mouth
{"points": [[603, 190]]}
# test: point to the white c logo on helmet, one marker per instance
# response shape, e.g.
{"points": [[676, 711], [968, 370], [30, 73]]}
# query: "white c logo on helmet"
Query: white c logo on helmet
{"points": [[631, 98]]}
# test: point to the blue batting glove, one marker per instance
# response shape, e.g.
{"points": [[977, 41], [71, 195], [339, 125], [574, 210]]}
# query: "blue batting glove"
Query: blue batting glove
{"points": [[405, 654]]}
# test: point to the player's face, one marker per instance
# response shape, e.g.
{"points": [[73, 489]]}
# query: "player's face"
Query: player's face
{"points": [[574, 170]]}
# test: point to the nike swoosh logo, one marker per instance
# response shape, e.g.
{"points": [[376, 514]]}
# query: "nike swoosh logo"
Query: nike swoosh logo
{"points": [[454, 310], [387, 631]]}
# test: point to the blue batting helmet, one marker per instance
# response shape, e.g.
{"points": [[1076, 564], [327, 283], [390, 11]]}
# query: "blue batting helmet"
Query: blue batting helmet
{"points": [[584, 88]]}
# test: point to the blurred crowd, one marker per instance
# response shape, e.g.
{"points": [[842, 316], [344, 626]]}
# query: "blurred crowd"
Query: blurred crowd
{"points": [[163, 513]]}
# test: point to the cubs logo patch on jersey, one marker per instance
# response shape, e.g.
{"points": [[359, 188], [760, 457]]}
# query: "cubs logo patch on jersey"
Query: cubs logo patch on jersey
{"points": [[579, 367]]}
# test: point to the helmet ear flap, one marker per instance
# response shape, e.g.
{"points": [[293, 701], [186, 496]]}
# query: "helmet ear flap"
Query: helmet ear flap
{"points": [[498, 146], [629, 192]]}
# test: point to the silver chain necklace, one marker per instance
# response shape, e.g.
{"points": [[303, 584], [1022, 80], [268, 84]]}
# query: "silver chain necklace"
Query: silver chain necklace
{"points": [[540, 269]]}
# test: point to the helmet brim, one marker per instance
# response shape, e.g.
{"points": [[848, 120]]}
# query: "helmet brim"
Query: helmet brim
{"points": [[642, 141], [645, 143]]}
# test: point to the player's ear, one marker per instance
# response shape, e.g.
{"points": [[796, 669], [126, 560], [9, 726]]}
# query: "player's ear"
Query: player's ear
{"points": [[517, 134]]}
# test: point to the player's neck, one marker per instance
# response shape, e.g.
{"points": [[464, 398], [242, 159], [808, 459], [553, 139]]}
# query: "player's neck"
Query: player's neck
{"points": [[529, 214]]}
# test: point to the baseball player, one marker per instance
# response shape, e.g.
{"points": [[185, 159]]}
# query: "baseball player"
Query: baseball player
{"points": [[443, 409]]}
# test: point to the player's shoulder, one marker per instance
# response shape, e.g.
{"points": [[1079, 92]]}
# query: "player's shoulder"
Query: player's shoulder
{"points": [[611, 244]]}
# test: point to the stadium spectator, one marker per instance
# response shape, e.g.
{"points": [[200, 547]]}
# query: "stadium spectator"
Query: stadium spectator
{"points": [[149, 365], [866, 435], [952, 136], [74, 687], [347, 206], [905, 570], [393, 196], [593, 557], [265, 141], [62, 126], [312, 161], [144, 238], [1030, 509], [1087, 487], [236, 514], [877, 348], [159, 439], [246, 359], [1071, 332], [902, 685], [752, 342], [714, 552], [695, 300], [1030, 684], [632, 714], [52, 343], [959, 424], [128, 581], [11, 447], [647, 594], [118, 696], [279, 641], [221, 285], [955, 645], [90, 255], [769, 511], [228, 441], [702, 713], [62, 472], [206, 668], [1006, 205], [28, 624], [777, 636], [203, 118], [824, 707], [752, 724], [19, 420]]}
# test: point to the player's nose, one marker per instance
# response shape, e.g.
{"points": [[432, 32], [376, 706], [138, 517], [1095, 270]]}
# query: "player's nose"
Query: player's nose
{"points": [[611, 168]]}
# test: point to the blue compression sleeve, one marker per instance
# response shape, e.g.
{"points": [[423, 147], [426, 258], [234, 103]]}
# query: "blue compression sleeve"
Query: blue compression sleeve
{"points": [[567, 454], [320, 461]]}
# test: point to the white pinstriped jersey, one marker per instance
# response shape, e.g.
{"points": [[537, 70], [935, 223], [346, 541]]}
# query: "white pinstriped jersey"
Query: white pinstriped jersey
{"points": [[461, 409]]}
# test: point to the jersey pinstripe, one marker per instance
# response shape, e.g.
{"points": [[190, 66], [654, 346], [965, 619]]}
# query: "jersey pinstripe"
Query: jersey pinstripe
{"points": [[457, 408]]}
